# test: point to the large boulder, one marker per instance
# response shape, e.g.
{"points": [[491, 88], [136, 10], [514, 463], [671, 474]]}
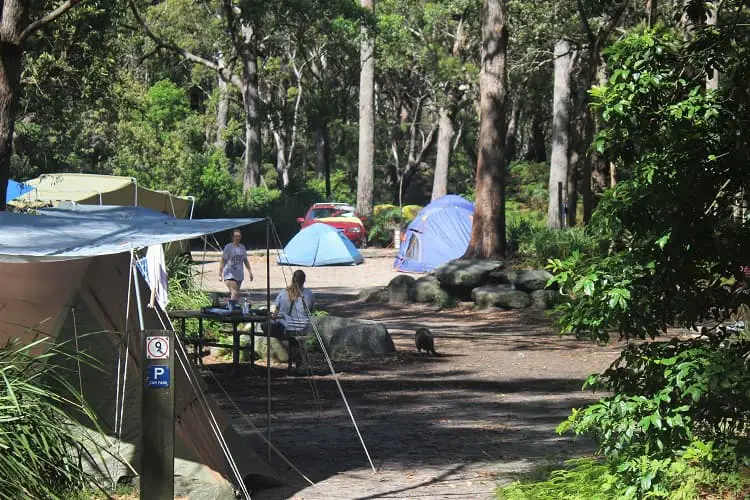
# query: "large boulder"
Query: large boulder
{"points": [[467, 273], [401, 289], [279, 353], [377, 295], [502, 277], [546, 299], [531, 280], [354, 338], [427, 290], [500, 296]]}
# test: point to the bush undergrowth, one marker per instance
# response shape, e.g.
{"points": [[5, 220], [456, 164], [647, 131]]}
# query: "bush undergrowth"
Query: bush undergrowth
{"points": [[40, 450]]}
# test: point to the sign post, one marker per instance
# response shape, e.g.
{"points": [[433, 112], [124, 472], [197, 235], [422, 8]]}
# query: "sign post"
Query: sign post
{"points": [[157, 416]]}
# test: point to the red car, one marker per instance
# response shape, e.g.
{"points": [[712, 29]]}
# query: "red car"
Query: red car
{"points": [[338, 215]]}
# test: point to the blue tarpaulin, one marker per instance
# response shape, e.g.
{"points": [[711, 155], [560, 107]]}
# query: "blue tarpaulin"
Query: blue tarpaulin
{"points": [[70, 235], [438, 234], [16, 189], [320, 245]]}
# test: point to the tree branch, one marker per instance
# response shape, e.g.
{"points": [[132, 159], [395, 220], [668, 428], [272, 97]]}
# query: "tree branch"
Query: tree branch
{"points": [[604, 33], [223, 72], [50, 17], [585, 23]]}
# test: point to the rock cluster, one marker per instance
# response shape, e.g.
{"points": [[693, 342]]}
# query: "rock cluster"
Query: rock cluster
{"points": [[485, 282]]}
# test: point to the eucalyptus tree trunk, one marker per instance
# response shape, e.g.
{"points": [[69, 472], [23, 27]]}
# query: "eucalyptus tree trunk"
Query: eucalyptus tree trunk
{"points": [[442, 161], [651, 12], [10, 76], [15, 29], [323, 156], [558, 172], [251, 103], [366, 163], [222, 112], [510, 135], [712, 82], [488, 228], [282, 166]]}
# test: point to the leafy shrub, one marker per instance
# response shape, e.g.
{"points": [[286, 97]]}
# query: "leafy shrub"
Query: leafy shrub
{"points": [[385, 219], [528, 185], [674, 404], [341, 188], [580, 479], [381, 225], [520, 229], [549, 244], [40, 454]]}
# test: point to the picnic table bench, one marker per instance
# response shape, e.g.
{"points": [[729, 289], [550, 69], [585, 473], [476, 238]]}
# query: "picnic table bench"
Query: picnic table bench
{"points": [[234, 319]]}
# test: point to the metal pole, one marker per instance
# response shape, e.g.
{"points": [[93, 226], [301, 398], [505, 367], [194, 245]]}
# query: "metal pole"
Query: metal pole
{"points": [[268, 338], [136, 281], [157, 416]]}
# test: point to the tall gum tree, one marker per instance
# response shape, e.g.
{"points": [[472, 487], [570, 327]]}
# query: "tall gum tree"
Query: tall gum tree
{"points": [[559, 159], [488, 228], [366, 162], [15, 29]]}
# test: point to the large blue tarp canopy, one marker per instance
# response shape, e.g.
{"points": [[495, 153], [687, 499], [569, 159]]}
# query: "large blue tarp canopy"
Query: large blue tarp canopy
{"points": [[16, 189], [438, 234], [320, 245], [77, 235]]}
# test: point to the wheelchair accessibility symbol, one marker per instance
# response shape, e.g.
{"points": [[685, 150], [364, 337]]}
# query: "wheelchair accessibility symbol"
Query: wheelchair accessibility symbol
{"points": [[157, 347]]}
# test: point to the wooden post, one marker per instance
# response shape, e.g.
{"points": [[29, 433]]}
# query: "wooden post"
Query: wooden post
{"points": [[157, 416]]}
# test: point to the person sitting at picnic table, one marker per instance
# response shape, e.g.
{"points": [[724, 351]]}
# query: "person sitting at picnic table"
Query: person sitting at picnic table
{"points": [[231, 271], [290, 314]]}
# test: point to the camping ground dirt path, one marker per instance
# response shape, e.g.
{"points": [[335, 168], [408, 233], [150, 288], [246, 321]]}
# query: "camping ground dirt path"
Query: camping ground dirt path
{"points": [[451, 426]]}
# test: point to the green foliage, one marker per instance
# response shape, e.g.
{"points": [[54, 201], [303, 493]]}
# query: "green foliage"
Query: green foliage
{"points": [[342, 190], [675, 247], [166, 103], [580, 479], [674, 404], [40, 452], [385, 219], [528, 185]]}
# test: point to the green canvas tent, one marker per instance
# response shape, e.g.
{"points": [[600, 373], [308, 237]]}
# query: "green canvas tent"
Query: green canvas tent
{"points": [[92, 189]]}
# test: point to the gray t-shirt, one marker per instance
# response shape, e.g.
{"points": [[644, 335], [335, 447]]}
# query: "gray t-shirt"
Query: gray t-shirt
{"points": [[294, 317], [234, 262]]}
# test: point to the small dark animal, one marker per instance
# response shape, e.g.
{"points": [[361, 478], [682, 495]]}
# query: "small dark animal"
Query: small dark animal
{"points": [[425, 341]]}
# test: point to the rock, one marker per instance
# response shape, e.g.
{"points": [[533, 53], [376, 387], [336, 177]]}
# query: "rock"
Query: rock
{"points": [[378, 295], [427, 290], [503, 277], [546, 299], [532, 280], [467, 273], [279, 352], [196, 490], [501, 296], [347, 337], [401, 289]]}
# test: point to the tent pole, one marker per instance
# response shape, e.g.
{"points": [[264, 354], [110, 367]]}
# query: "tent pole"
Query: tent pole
{"points": [[268, 339], [137, 292]]}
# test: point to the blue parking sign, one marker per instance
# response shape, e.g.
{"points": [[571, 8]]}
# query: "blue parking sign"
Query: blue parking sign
{"points": [[158, 376]]}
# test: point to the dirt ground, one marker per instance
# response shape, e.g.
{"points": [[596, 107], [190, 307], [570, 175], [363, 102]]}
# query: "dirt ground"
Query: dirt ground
{"points": [[451, 426]]}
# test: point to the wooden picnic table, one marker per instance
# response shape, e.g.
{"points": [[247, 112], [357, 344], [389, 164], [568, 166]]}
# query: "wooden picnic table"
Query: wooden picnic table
{"points": [[233, 319]]}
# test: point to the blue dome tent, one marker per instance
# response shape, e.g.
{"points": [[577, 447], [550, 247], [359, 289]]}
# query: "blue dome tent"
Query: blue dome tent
{"points": [[439, 233], [320, 245], [16, 189]]}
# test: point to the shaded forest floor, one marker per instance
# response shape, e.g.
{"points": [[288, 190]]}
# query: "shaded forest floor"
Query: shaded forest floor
{"points": [[451, 426]]}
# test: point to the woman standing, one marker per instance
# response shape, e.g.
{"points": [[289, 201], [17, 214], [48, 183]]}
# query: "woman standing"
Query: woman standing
{"points": [[231, 269]]}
